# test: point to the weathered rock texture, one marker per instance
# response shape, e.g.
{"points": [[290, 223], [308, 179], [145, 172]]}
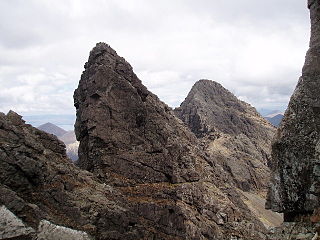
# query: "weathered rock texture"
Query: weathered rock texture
{"points": [[295, 183], [132, 141], [295, 231], [38, 182], [233, 131], [49, 231], [13, 227], [209, 107]]}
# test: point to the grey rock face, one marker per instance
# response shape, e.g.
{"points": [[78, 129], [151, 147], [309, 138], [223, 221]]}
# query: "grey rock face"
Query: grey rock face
{"points": [[49, 231], [295, 185], [12, 227], [121, 126], [294, 230], [132, 141], [234, 133]]}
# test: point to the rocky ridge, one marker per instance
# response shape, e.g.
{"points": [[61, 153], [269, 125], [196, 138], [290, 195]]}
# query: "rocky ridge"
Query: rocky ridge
{"points": [[38, 183], [233, 132], [132, 141]]}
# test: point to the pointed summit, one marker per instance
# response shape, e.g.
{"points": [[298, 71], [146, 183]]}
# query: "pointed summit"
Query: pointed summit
{"points": [[232, 129], [52, 129], [210, 107]]}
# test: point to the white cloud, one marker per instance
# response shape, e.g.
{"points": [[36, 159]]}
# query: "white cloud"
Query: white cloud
{"points": [[255, 49]]}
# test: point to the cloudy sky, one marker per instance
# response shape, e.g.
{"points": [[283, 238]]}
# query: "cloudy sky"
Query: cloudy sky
{"points": [[254, 48]]}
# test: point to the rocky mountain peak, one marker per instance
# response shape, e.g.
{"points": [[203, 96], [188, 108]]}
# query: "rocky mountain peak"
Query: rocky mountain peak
{"points": [[117, 116], [210, 90], [52, 129], [210, 107], [233, 132]]}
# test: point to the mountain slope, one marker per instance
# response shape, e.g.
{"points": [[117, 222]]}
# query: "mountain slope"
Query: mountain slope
{"points": [[52, 129], [275, 120], [38, 184], [68, 137], [233, 131]]}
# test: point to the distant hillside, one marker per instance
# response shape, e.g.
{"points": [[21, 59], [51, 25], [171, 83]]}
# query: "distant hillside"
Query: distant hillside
{"points": [[52, 129], [68, 137], [64, 121], [236, 136], [275, 118], [235, 132]]}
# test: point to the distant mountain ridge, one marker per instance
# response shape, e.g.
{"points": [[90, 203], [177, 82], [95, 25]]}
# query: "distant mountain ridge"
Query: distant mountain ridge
{"points": [[68, 137], [275, 117], [64, 121], [52, 129], [276, 120]]}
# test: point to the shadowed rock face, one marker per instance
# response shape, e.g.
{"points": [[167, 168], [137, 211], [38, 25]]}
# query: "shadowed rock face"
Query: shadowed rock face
{"points": [[126, 134], [296, 150], [132, 141], [234, 133], [38, 182]]}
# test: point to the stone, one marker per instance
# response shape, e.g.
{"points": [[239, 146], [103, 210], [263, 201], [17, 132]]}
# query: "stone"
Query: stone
{"points": [[133, 142], [294, 188], [38, 182], [233, 132], [49, 231], [294, 230], [12, 227]]}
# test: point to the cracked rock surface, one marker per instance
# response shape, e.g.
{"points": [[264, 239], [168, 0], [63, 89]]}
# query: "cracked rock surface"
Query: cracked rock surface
{"points": [[295, 183], [38, 182], [13, 227]]}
